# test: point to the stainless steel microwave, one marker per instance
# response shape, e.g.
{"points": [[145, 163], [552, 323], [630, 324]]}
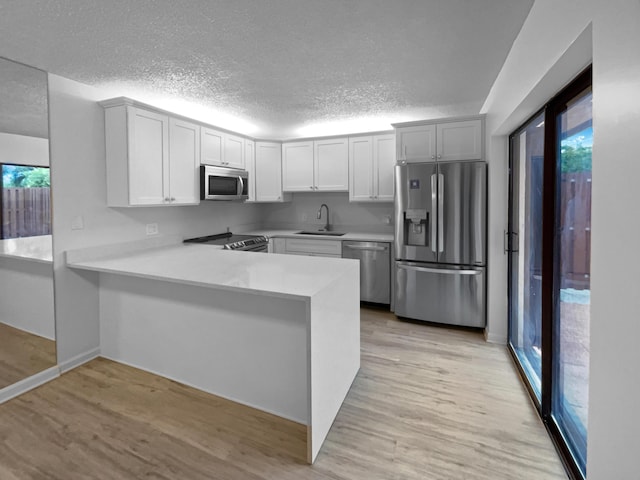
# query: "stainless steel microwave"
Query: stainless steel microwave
{"points": [[222, 183]]}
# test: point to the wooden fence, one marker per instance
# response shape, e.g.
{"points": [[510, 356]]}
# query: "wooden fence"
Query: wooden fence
{"points": [[26, 212], [575, 222]]}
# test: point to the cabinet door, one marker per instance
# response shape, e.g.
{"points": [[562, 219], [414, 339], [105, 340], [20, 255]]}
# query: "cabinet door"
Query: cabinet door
{"points": [[360, 169], [148, 156], [268, 172], [460, 140], [383, 165], [331, 165], [233, 151], [303, 246], [250, 166], [184, 148], [211, 147], [297, 167], [416, 144]]}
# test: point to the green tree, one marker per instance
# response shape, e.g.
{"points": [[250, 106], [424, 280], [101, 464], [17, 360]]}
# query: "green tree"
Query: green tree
{"points": [[24, 177], [575, 159]]}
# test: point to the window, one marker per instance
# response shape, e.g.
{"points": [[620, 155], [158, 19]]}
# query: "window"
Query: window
{"points": [[26, 203]]}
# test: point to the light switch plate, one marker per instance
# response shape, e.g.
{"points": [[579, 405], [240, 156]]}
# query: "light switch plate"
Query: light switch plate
{"points": [[152, 228]]}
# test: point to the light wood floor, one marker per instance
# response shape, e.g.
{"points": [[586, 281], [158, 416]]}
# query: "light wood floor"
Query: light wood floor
{"points": [[428, 403], [23, 354]]}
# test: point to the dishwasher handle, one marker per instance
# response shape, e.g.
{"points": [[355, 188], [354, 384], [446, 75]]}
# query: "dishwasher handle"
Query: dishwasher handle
{"points": [[363, 247]]}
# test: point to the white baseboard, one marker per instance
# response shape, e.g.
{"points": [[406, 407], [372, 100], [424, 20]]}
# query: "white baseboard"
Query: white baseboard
{"points": [[29, 383], [492, 338], [79, 360]]}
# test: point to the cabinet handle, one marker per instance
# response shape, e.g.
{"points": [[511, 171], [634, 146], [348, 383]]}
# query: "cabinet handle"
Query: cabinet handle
{"points": [[166, 199], [311, 187], [173, 199], [439, 156], [433, 157]]}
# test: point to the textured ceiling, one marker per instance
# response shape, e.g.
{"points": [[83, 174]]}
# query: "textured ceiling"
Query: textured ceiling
{"points": [[275, 68], [23, 100]]}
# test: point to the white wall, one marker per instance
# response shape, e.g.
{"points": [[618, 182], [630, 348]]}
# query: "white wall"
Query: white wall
{"points": [[362, 216], [24, 150], [79, 190], [549, 51], [26, 296]]}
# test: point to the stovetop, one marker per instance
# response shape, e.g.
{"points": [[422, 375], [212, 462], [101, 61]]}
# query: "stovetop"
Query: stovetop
{"points": [[231, 241]]}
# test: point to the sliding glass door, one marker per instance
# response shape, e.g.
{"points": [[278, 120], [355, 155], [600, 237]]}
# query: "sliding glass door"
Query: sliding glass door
{"points": [[548, 243], [525, 239]]}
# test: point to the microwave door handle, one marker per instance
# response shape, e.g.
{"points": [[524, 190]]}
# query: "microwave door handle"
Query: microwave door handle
{"points": [[240, 186]]}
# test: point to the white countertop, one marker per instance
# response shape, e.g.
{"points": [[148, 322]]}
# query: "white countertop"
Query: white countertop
{"points": [[291, 276], [35, 249], [353, 236]]}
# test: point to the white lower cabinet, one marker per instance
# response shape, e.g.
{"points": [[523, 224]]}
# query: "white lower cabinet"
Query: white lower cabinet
{"points": [[313, 247], [152, 159]]}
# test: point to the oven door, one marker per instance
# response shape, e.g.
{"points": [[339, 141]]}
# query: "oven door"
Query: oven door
{"points": [[219, 183]]}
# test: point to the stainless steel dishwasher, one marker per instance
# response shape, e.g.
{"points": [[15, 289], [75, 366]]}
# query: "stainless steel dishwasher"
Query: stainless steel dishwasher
{"points": [[375, 269]]}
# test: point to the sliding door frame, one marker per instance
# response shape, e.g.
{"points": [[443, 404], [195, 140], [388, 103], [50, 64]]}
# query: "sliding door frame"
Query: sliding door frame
{"points": [[550, 262]]}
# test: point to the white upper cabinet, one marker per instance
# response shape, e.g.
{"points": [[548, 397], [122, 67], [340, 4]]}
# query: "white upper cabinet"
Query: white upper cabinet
{"points": [[445, 141], [212, 147], [146, 165], [233, 151], [371, 164], [222, 149], [416, 143], [321, 165], [151, 158], [361, 169], [384, 161], [184, 155], [268, 173], [331, 165], [459, 140], [297, 167], [250, 166]]}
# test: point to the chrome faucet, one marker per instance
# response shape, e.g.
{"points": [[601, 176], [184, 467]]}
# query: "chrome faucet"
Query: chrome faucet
{"points": [[327, 227]]}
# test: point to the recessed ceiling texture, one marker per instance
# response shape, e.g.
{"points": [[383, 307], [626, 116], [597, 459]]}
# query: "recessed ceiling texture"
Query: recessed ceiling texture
{"points": [[275, 68]]}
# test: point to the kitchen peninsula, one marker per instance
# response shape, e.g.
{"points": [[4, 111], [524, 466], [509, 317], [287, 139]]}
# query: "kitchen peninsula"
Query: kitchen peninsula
{"points": [[276, 332]]}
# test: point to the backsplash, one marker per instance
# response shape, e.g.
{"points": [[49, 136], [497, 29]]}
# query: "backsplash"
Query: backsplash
{"points": [[301, 213]]}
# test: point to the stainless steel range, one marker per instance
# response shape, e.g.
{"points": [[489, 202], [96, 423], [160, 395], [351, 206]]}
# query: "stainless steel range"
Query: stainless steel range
{"points": [[229, 241]]}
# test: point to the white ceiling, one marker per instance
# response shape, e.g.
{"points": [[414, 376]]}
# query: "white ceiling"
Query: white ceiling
{"points": [[275, 68]]}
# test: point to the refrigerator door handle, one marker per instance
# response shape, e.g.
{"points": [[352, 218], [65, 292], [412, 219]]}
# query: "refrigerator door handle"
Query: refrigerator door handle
{"points": [[440, 212], [439, 270], [434, 206]]}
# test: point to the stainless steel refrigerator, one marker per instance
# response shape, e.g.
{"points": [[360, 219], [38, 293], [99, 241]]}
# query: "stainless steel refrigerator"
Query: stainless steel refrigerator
{"points": [[440, 242]]}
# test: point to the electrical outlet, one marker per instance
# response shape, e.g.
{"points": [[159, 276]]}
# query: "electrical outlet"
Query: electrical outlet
{"points": [[386, 219], [304, 217], [77, 223], [152, 228]]}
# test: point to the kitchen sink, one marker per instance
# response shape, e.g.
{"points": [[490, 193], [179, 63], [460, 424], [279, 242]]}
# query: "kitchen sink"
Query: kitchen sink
{"points": [[320, 232]]}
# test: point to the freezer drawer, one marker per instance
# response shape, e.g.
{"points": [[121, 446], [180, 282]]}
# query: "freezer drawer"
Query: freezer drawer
{"points": [[441, 295], [375, 269]]}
